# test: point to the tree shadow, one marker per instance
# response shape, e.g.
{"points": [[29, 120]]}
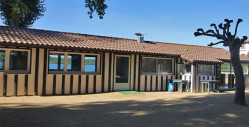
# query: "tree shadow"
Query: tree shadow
{"points": [[211, 110]]}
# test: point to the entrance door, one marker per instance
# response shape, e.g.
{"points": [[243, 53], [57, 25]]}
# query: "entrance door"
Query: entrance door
{"points": [[122, 73]]}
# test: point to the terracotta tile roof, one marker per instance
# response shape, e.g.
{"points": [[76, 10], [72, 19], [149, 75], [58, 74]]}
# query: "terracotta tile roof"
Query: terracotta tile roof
{"points": [[35, 37]]}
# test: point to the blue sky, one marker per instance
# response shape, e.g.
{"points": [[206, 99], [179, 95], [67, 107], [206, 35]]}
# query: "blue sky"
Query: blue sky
{"points": [[172, 21]]}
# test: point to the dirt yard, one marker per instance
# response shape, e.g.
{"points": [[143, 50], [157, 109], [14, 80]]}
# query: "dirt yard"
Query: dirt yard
{"points": [[151, 109]]}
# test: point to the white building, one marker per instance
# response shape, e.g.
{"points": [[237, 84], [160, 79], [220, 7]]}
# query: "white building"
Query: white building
{"points": [[244, 50]]}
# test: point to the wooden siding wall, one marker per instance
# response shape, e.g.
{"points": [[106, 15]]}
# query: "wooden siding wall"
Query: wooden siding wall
{"points": [[66, 84], [198, 84], [160, 82], [40, 82], [19, 84]]}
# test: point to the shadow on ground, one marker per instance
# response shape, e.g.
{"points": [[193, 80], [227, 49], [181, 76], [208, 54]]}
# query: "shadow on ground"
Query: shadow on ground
{"points": [[213, 110]]}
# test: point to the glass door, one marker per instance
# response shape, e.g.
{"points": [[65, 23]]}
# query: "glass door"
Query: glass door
{"points": [[122, 72]]}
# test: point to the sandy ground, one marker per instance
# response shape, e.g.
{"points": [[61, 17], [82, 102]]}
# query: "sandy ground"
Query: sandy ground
{"points": [[151, 109]]}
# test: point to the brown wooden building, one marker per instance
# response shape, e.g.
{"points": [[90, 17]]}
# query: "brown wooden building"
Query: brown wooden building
{"points": [[42, 62]]}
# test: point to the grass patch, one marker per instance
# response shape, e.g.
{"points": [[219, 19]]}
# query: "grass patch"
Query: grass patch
{"points": [[129, 92], [229, 91]]}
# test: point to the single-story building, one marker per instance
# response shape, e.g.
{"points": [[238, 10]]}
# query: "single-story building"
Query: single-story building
{"points": [[43, 62]]}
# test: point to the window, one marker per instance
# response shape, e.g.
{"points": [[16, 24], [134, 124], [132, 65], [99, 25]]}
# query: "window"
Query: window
{"points": [[2, 59], [183, 69], [164, 66], [90, 64], [157, 65], [205, 69], [56, 62], [225, 68], [18, 60], [243, 46], [74, 62], [149, 65]]}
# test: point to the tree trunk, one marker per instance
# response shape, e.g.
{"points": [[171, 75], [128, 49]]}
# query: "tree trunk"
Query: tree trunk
{"points": [[15, 23], [239, 75]]}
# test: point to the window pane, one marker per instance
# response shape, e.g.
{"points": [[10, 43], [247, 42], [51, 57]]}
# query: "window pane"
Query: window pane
{"points": [[62, 62], [245, 68], [18, 60], [90, 64], [53, 62], [69, 62], [2, 60], [56, 62], [122, 69], [74, 62], [225, 68], [188, 69], [149, 65], [183, 69], [164, 65], [205, 69]]}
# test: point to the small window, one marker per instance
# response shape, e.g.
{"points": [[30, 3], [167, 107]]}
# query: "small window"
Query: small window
{"points": [[205, 69], [164, 66], [56, 62], [149, 65], [2, 60], [74, 62], [90, 64], [18, 60], [184, 69]]}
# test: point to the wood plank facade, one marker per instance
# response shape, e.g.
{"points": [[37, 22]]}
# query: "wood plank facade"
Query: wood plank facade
{"points": [[39, 80], [44, 62]]}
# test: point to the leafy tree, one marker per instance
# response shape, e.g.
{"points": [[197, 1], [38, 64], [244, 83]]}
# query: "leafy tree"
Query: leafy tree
{"points": [[234, 43], [96, 5], [21, 13]]}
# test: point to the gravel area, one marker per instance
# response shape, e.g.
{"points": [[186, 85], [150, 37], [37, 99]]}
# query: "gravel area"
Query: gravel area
{"points": [[150, 109]]}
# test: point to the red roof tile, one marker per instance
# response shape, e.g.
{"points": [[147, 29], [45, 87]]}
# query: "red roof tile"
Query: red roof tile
{"points": [[15, 35]]}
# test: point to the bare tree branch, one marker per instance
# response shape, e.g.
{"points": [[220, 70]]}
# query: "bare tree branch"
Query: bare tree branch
{"points": [[227, 37], [210, 31], [244, 39], [228, 24], [215, 27], [212, 44], [236, 28]]}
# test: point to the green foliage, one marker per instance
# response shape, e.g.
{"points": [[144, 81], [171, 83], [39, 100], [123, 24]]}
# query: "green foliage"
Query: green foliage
{"points": [[53, 60], [225, 67], [2, 56], [90, 61], [2, 59], [96, 5], [21, 13]]}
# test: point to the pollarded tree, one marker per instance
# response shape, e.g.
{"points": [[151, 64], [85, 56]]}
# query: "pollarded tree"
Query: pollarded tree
{"points": [[21, 13], [234, 43]]}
